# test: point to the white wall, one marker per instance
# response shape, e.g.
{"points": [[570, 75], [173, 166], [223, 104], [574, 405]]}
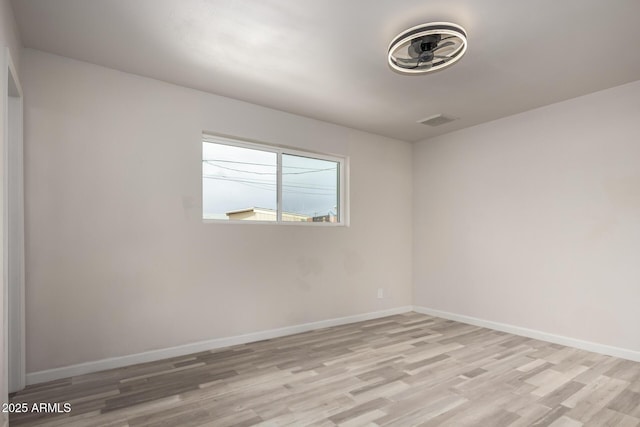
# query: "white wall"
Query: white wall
{"points": [[534, 220], [118, 260], [9, 34], [9, 37]]}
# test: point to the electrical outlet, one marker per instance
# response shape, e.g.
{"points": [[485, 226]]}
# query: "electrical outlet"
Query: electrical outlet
{"points": [[380, 293]]}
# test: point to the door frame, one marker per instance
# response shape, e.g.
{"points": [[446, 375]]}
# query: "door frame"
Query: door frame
{"points": [[13, 228]]}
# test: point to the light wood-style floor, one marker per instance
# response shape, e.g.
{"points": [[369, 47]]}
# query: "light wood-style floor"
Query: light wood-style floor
{"points": [[402, 370]]}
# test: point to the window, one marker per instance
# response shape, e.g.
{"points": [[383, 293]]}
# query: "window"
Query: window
{"points": [[244, 181]]}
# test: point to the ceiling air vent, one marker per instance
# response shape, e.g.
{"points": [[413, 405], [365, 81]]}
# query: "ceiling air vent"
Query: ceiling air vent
{"points": [[437, 120]]}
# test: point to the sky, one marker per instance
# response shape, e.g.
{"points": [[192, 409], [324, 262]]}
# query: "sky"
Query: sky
{"points": [[236, 178]]}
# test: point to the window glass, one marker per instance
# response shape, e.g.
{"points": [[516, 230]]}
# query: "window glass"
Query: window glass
{"points": [[238, 183], [309, 189]]}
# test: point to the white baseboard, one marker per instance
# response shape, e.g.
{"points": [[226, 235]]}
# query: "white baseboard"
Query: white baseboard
{"points": [[532, 333], [182, 350]]}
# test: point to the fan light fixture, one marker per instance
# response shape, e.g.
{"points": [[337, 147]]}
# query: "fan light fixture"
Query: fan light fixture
{"points": [[427, 47]]}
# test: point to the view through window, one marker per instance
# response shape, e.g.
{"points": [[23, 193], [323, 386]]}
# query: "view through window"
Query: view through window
{"points": [[255, 182]]}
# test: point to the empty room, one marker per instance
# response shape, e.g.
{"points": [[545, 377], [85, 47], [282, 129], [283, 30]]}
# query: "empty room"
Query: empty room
{"points": [[328, 213]]}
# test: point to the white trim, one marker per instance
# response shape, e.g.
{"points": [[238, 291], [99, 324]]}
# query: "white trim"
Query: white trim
{"points": [[295, 223], [12, 69], [279, 205], [182, 350], [533, 333], [13, 225], [4, 76]]}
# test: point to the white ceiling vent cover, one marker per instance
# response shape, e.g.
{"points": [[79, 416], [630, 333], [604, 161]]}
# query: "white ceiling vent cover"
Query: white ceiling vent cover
{"points": [[437, 120]]}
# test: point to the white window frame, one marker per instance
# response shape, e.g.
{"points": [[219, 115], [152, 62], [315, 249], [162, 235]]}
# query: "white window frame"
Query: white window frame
{"points": [[279, 150]]}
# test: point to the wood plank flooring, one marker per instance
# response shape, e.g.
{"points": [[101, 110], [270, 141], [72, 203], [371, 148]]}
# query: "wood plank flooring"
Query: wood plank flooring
{"points": [[403, 370]]}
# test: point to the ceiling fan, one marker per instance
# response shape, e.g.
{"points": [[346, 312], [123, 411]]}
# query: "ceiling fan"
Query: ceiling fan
{"points": [[427, 47]]}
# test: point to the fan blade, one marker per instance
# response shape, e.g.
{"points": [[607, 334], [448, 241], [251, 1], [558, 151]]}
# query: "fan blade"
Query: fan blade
{"points": [[423, 66], [443, 45], [411, 64], [404, 61]]}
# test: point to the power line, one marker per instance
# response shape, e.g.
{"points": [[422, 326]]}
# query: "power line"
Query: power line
{"points": [[258, 187], [270, 173], [266, 182], [256, 164]]}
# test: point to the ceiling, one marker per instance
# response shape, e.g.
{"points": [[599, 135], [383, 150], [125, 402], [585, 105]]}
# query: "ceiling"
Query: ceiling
{"points": [[327, 59]]}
